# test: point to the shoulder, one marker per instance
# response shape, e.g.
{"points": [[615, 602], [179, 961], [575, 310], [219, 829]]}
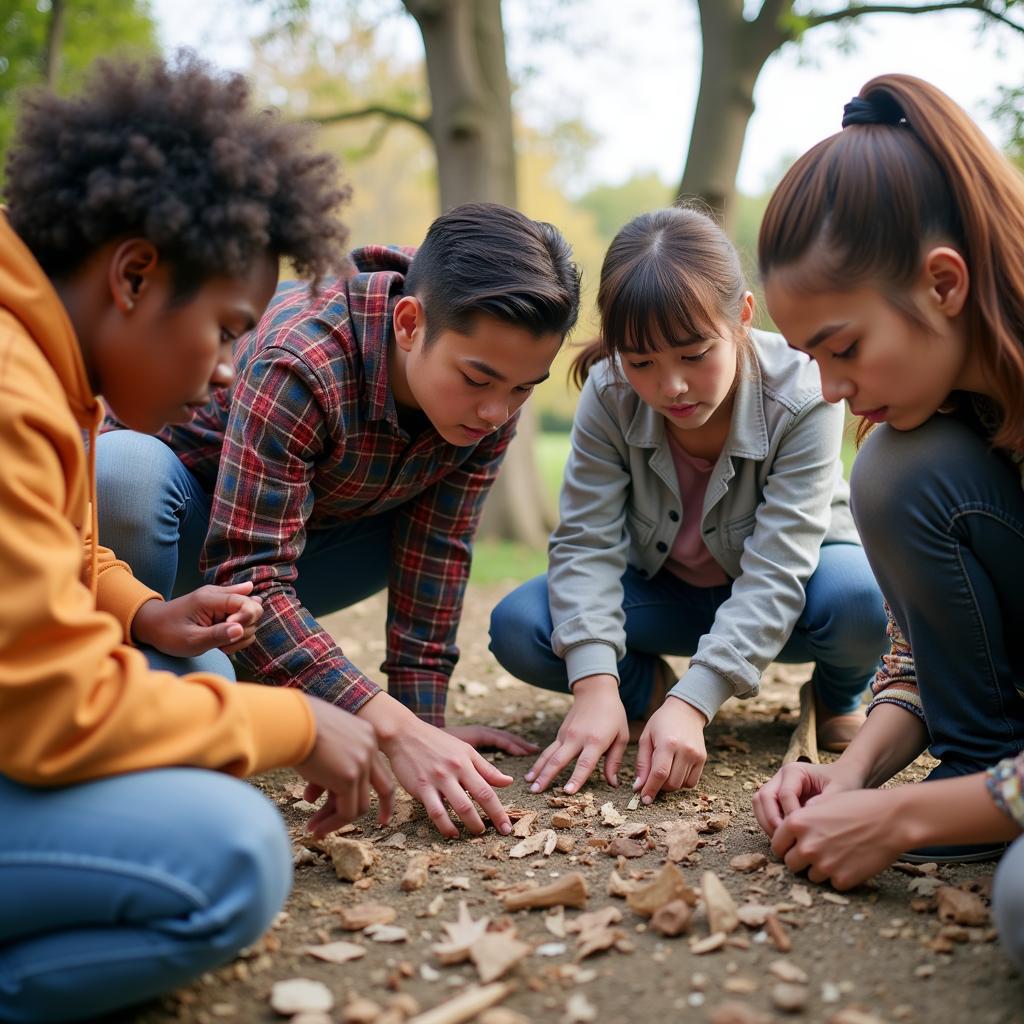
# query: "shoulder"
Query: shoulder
{"points": [[788, 377], [607, 389]]}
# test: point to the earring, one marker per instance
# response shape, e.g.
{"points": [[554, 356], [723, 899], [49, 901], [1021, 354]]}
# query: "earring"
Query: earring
{"points": [[129, 303]]}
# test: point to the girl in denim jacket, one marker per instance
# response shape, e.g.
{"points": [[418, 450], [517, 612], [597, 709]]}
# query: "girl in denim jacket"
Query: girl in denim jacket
{"points": [[703, 513]]}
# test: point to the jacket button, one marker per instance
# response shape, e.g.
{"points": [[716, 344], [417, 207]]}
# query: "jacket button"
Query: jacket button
{"points": [[673, 515], [661, 546]]}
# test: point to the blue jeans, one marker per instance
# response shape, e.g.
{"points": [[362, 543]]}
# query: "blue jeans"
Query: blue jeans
{"points": [[842, 629], [942, 519], [154, 514], [114, 891]]}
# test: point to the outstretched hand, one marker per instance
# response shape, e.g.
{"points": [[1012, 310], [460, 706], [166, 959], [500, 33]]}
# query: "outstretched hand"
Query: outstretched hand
{"points": [[671, 753], [212, 616], [485, 737]]}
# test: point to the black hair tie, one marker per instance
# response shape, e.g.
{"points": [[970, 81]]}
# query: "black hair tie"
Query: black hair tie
{"points": [[880, 110]]}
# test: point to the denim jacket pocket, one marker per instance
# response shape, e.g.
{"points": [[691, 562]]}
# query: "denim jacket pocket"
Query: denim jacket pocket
{"points": [[640, 527], [735, 533]]}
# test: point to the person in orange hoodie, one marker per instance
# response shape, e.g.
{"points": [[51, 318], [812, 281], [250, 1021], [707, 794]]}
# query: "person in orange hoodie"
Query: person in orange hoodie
{"points": [[144, 226]]}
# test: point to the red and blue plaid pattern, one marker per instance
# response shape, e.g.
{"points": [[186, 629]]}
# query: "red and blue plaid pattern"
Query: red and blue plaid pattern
{"points": [[309, 439]]}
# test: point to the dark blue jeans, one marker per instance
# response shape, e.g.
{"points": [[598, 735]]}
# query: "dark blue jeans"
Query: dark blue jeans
{"points": [[942, 519], [842, 629]]}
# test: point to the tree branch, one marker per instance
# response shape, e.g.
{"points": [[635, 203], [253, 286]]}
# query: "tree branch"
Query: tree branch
{"points": [[859, 10], [374, 110]]}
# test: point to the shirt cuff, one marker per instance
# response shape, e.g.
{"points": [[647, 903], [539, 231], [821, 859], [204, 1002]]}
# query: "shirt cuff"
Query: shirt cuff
{"points": [[592, 658], [704, 689]]}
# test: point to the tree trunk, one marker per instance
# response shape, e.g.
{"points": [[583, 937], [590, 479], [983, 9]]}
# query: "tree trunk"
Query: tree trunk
{"points": [[471, 127], [54, 43], [734, 51]]}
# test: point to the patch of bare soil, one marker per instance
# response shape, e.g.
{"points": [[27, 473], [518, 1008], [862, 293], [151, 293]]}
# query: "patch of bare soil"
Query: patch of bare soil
{"points": [[673, 911]]}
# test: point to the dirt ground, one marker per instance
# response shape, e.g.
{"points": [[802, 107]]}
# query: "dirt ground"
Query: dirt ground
{"points": [[876, 950]]}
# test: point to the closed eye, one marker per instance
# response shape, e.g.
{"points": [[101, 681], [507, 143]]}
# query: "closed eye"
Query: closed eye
{"points": [[847, 353], [641, 365], [697, 358], [474, 383]]}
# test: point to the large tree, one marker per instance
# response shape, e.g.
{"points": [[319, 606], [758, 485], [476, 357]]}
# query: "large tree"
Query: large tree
{"points": [[52, 43], [736, 45]]}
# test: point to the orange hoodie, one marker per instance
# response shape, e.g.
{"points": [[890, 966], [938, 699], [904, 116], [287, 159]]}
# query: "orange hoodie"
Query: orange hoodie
{"points": [[76, 700]]}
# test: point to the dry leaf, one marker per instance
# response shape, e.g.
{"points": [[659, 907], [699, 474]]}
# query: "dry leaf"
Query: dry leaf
{"points": [[386, 933], [541, 842], [682, 840], [362, 915], [595, 919], [497, 952], [462, 934], [524, 826], [300, 995], [666, 886], [719, 905], [555, 923], [337, 952]]}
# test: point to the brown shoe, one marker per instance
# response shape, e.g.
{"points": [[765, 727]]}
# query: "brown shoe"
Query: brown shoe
{"points": [[664, 679], [836, 732]]}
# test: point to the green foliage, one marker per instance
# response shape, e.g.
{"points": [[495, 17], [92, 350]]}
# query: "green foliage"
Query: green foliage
{"points": [[614, 205], [92, 28]]}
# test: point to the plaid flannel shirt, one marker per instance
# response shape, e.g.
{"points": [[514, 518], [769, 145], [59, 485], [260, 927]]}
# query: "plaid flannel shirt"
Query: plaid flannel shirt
{"points": [[309, 438]]}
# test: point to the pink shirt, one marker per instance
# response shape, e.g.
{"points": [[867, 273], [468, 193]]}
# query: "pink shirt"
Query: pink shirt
{"points": [[689, 558]]}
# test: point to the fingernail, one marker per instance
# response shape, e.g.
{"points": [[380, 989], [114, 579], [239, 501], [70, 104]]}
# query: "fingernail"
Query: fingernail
{"points": [[505, 829], [535, 788], [529, 776], [647, 800], [636, 784], [615, 780], [569, 787]]}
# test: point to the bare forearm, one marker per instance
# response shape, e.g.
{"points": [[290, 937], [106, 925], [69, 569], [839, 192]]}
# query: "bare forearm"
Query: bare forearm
{"points": [[887, 742], [951, 811]]}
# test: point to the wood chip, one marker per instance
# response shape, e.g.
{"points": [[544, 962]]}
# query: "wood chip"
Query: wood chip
{"points": [[682, 840], [618, 886], [300, 995], [801, 896], [568, 891], [362, 915], [415, 876], [563, 819], [959, 907], [555, 923], [715, 823], [834, 897], [668, 885], [351, 858], [524, 826], [464, 1006], [672, 919], [386, 933], [754, 915], [634, 802], [778, 934], [337, 952], [609, 815], [786, 970], [709, 944], [719, 905], [747, 862]]}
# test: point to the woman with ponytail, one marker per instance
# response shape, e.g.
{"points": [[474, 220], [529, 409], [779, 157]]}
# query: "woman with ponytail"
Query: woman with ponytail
{"points": [[893, 254], [703, 481]]}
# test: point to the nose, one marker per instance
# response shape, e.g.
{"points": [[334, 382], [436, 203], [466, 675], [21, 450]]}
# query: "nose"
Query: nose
{"points": [[494, 410], [836, 388], [674, 383], [224, 372]]}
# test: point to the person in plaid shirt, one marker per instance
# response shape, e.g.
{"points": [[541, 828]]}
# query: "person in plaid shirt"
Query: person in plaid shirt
{"points": [[364, 429]]}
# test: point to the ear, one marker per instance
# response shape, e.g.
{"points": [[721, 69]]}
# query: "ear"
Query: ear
{"points": [[409, 322], [131, 271], [947, 279], [747, 310]]}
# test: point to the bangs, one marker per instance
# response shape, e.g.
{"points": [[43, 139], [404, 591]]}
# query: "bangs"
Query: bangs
{"points": [[655, 306]]}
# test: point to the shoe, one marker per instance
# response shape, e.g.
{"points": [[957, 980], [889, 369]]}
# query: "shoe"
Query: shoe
{"points": [[664, 680], [835, 732]]}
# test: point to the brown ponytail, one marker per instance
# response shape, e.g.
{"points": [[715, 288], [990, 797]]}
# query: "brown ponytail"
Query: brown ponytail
{"points": [[864, 205]]}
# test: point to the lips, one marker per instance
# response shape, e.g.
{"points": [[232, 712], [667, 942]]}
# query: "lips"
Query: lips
{"points": [[684, 409], [872, 415]]}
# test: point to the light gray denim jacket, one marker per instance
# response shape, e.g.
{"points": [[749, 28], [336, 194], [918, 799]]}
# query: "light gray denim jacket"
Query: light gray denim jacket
{"points": [[775, 495]]}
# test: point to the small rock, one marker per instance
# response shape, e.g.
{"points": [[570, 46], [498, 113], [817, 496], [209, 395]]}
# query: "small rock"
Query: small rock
{"points": [[299, 995], [788, 997]]}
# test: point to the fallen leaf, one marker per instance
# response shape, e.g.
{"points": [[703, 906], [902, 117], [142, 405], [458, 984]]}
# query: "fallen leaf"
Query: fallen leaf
{"points": [[524, 826], [300, 995], [541, 842], [463, 934], [555, 923], [666, 886], [337, 952], [609, 815], [497, 952], [960, 907], [386, 933], [682, 840]]}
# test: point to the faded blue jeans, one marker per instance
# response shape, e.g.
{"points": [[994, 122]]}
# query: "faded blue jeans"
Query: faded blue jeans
{"points": [[154, 514], [842, 629], [114, 891], [942, 519]]}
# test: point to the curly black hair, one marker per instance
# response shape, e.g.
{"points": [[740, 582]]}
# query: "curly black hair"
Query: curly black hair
{"points": [[172, 151]]}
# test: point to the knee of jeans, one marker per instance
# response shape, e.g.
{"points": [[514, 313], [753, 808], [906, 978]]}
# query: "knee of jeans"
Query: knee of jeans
{"points": [[515, 632], [258, 855], [134, 473], [1008, 902]]}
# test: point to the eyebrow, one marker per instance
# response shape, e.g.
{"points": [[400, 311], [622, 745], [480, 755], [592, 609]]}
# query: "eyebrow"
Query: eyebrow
{"points": [[489, 371], [826, 332]]}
